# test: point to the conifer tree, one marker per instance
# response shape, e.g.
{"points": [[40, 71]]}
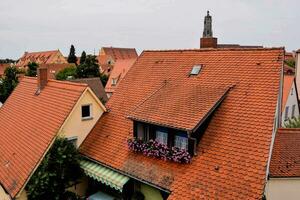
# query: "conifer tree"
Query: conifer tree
{"points": [[72, 55]]}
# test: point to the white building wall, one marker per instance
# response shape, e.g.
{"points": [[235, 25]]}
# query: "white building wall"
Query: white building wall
{"points": [[283, 188], [292, 100]]}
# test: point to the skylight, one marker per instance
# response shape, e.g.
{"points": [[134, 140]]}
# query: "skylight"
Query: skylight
{"points": [[196, 69]]}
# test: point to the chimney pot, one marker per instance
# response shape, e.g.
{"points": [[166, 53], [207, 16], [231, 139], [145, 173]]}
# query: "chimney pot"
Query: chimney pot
{"points": [[42, 77]]}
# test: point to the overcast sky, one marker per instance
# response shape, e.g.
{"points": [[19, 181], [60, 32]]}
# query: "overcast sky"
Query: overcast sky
{"points": [[36, 25]]}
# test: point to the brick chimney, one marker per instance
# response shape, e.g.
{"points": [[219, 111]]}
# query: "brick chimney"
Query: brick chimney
{"points": [[42, 78], [297, 66], [209, 42]]}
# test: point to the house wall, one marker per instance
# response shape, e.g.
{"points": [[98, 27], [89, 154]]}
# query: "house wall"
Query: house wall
{"points": [[58, 58], [80, 188], [150, 193], [292, 100], [75, 126], [283, 188], [3, 194], [22, 196]]}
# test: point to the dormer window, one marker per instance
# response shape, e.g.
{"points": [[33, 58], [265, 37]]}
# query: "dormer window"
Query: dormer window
{"points": [[196, 69], [86, 112], [162, 136], [181, 141], [114, 81]]}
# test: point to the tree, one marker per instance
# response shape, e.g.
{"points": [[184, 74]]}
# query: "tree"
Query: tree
{"points": [[66, 73], [89, 68], [57, 171], [32, 69], [290, 62], [293, 123], [83, 57], [8, 83], [104, 79], [72, 56]]}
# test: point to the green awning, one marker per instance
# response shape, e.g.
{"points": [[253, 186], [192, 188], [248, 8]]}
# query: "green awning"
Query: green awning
{"points": [[104, 175]]}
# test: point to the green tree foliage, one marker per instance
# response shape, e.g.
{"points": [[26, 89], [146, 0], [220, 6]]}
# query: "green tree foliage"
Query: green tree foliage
{"points": [[32, 69], [293, 123], [72, 55], [104, 79], [89, 68], [57, 171], [66, 73], [8, 83], [290, 62], [83, 57]]}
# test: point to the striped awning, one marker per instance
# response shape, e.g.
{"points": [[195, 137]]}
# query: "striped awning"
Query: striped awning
{"points": [[104, 175]]}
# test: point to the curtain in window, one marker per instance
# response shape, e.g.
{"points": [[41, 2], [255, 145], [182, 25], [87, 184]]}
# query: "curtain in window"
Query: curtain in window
{"points": [[162, 137], [181, 142]]}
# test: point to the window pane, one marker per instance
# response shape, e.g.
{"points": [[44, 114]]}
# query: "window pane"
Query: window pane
{"points": [[181, 142], [286, 115], [293, 111], [85, 111], [140, 131], [162, 137]]}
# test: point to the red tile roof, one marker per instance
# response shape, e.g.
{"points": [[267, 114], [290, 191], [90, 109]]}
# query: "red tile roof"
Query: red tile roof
{"points": [[53, 69], [29, 123], [287, 85], [192, 103], [120, 53], [233, 152], [118, 72], [3, 67], [285, 160], [42, 57]]}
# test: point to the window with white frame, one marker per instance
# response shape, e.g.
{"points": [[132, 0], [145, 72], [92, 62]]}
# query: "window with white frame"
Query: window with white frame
{"points": [[293, 111], [114, 81], [161, 137], [73, 140], [181, 142], [286, 114], [86, 111]]}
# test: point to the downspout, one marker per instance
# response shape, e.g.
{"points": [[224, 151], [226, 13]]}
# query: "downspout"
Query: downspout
{"points": [[277, 122]]}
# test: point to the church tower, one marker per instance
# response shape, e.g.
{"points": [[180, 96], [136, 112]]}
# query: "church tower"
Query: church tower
{"points": [[207, 40]]}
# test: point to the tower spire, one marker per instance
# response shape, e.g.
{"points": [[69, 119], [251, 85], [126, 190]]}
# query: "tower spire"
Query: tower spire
{"points": [[207, 31]]}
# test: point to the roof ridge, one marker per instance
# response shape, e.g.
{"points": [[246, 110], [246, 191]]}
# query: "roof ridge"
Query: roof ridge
{"points": [[216, 49], [57, 81]]}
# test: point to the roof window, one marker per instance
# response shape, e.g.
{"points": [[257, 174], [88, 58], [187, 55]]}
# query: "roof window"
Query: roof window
{"points": [[196, 70]]}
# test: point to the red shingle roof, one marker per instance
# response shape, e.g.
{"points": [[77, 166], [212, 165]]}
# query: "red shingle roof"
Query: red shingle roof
{"points": [[53, 69], [287, 85], [29, 124], [3, 67], [178, 106], [118, 72], [233, 152], [120, 53], [285, 160]]}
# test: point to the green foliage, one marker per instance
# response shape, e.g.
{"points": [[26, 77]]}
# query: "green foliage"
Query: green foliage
{"points": [[65, 73], [290, 62], [83, 57], [8, 83], [72, 56], [32, 69], [57, 171], [104, 79], [89, 68], [293, 123]]}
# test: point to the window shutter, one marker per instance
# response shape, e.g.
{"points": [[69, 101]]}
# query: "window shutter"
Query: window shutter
{"points": [[192, 146]]}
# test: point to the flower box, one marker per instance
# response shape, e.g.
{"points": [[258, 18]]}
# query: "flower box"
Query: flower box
{"points": [[154, 149]]}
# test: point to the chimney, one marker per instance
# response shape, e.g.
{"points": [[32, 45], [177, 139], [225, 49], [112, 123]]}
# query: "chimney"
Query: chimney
{"points": [[42, 78], [207, 40], [297, 66]]}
